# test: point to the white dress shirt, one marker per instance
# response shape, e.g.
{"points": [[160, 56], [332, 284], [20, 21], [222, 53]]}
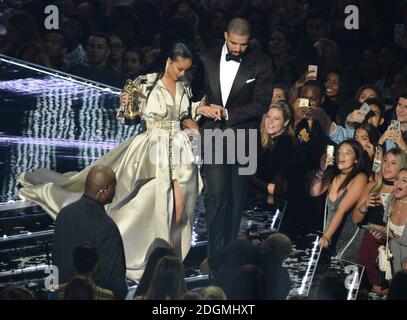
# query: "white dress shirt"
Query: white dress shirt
{"points": [[228, 71]]}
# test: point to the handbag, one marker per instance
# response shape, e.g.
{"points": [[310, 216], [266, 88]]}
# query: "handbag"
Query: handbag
{"points": [[384, 256]]}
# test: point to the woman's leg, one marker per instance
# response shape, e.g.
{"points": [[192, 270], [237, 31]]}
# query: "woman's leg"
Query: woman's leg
{"points": [[179, 203], [177, 218]]}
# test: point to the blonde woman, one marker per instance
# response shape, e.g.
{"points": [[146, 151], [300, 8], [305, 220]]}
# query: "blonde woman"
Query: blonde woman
{"points": [[370, 212], [277, 148], [398, 221]]}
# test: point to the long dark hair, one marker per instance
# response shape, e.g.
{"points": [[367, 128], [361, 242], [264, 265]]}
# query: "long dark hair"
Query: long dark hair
{"points": [[168, 280], [152, 262], [178, 49], [26, 28], [360, 165], [372, 132], [379, 94]]}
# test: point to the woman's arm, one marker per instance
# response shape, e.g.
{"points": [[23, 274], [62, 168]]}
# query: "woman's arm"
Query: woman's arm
{"points": [[355, 191], [362, 206], [321, 182], [260, 184]]}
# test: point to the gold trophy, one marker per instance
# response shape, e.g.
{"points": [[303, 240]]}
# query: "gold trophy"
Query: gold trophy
{"points": [[129, 113]]}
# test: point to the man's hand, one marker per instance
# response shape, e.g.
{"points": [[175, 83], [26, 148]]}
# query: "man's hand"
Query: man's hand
{"points": [[212, 111], [308, 75], [224, 112]]}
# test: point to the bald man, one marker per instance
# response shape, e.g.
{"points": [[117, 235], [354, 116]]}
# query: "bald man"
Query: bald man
{"points": [[86, 221], [239, 80]]}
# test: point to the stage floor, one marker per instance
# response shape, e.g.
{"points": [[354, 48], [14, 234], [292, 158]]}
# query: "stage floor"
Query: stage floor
{"points": [[54, 121]]}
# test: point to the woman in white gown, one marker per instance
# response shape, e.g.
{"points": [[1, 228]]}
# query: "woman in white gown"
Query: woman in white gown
{"points": [[157, 178]]}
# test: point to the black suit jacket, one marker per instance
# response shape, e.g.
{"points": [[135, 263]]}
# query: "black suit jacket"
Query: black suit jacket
{"points": [[247, 101], [86, 221]]}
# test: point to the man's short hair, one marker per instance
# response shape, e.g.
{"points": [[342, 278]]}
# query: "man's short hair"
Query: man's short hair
{"points": [[62, 34], [101, 35], [239, 26], [85, 258], [277, 245], [315, 84]]}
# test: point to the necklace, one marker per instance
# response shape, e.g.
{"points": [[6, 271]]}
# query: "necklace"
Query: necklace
{"points": [[388, 182]]}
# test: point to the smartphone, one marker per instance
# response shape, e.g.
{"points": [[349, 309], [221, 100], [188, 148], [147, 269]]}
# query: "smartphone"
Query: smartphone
{"points": [[385, 198], [365, 109], [304, 103], [313, 68], [377, 163], [379, 152], [395, 125], [371, 228], [330, 150]]}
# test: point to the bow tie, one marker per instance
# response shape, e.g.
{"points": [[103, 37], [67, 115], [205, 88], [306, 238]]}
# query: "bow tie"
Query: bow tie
{"points": [[232, 57]]}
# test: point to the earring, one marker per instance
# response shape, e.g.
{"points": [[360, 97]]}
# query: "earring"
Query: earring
{"points": [[166, 66]]}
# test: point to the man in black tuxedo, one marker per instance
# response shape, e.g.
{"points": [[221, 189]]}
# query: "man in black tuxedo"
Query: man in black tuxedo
{"points": [[239, 81], [86, 221]]}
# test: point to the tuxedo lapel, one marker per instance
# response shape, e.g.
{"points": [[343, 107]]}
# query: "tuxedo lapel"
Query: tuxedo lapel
{"points": [[244, 73], [214, 76]]}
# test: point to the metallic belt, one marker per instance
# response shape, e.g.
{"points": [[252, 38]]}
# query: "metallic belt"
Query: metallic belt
{"points": [[170, 127], [164, 125]]}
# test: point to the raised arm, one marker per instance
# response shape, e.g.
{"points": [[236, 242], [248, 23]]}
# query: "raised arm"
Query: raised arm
{"points": [[321, 180]]}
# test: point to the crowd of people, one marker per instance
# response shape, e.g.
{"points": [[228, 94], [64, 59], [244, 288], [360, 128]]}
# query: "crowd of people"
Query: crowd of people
{"points": [[332, 139]]}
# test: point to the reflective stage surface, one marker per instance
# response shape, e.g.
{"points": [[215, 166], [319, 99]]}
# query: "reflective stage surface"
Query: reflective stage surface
{"points": [[64, 125]]}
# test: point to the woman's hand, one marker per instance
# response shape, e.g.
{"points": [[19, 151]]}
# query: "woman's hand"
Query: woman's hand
{"points": [[326, 162], [376, 234], [190, 124], [370, 149], [125, 98], [386, 135], [372, 201], [356, 116], [397, 137], [324, 242], [270, 188]]}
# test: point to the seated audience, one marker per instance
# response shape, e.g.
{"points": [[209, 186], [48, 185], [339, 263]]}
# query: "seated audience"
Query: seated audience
{"points": [[79, 288], [85, 260]]}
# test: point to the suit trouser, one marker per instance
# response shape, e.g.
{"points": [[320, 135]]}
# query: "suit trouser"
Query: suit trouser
{"points": [[226, 193]]}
